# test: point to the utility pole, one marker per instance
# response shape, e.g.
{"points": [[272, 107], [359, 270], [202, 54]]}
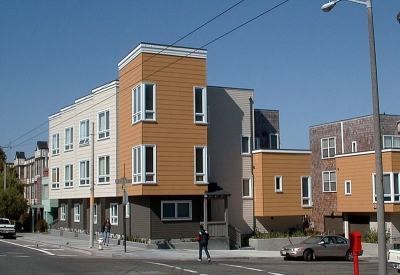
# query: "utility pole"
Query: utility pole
{"points": [[91, 214], [5, 166]]}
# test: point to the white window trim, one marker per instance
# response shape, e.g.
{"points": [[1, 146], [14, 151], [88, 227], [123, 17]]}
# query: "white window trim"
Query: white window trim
{"points": [[204, 174], [392, 188], [113, 216], [346, 192], [248, 147], [204, 108], [330, 182], [84, 137], [68, 139], [354, 147], [69, 183], [280, 188], [55, 185], [322, 148], [392, 137], [309, 187], [277, 141], [176, 211], [77, 212], [86, 179], [139, 111], [105, 176], [95, 213], [55, 150], [250, 188], [106, 131], [63, 212], [139, 161]]}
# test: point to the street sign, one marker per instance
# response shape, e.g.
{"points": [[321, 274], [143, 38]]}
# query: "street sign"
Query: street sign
{"points": [[123, 181]]}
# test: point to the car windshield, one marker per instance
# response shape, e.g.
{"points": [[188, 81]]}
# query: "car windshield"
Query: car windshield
{"points": [[312, 240]]}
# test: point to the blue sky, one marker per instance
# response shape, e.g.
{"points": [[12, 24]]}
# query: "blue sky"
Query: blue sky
{"points": [[312, 66]]}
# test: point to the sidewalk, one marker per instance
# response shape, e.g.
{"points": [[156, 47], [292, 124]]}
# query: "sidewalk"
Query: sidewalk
{"points": [[80, 243]]}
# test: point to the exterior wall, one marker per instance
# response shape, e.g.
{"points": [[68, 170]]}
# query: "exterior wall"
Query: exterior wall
{"points": [[174, 133], [266, 122], [230, 117], [102, 98], [291, 165]]}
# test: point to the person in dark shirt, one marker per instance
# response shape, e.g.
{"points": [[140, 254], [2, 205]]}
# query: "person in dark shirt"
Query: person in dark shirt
{"points": [[203, 238]]}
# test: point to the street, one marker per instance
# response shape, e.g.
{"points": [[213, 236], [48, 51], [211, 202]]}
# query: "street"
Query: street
{"points": [[20, 257]]}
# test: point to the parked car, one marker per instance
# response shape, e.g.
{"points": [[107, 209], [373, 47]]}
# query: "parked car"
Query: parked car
{"points": [[7, 229], [318, 247]]}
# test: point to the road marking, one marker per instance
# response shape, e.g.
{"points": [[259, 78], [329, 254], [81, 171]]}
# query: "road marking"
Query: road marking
{"points": [[249, 268], [67, 255], [176, 267], [275, 273], [23, 256], [25, 246]]}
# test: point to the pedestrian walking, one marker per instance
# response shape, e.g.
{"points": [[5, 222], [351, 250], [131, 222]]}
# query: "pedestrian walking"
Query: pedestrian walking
{"points": [[203, 238], [106, 229]]}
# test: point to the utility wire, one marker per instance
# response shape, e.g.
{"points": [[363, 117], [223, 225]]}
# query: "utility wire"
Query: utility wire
{"points": [[212, 41]]}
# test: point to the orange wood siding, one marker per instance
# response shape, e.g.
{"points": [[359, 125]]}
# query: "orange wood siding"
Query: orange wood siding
{"points": [[359, 169], [174, 133], [291, 167]]}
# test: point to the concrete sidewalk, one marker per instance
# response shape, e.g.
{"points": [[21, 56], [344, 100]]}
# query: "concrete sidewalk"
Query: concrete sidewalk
{"points": [[80, 243]]}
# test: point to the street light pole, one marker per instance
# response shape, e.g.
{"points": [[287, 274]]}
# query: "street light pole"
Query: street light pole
{"points": [[377, 135]]}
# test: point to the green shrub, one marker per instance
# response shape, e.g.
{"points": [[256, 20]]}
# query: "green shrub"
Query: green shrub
{"points": [[41, 226], [276, 234], [371, 236]]}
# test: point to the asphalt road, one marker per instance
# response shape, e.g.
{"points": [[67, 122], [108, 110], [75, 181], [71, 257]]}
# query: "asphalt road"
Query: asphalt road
{"points": [[18, 257]]}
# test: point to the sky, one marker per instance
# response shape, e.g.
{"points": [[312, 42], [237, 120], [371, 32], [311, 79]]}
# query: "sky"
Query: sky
{"points": [[312, 66]]}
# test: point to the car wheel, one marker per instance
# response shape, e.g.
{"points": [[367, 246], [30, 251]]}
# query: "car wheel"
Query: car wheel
{"points": [[308, 255], [349, 256]]}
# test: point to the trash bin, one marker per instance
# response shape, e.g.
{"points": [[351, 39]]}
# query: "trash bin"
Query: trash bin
{"points": [[100, 243]]}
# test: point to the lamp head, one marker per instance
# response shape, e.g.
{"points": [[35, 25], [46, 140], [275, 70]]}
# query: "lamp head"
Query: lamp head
{"points": [[328, 6]]}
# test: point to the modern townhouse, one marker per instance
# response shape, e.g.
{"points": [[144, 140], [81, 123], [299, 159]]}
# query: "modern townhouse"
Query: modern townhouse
{"points": [[83, 140], [343, 175]]}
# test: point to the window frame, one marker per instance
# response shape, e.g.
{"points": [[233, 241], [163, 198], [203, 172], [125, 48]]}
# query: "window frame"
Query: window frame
{"points": [[103, 178], [329, 181], [309, 191], [328, 148], [114, 213], [63, 212], [354, 148], [68, 138], [200, 112], [245, 146], [393, 140], [140, 101], [69, 181], [247, 184], [277, 141], [86, 177], [141, 165], [84, 132], [176, 217], [77, 212], [103, 133], [347, 187], [394, 183], [278, 182], [55, 148], [55, 184], [201, 177]]}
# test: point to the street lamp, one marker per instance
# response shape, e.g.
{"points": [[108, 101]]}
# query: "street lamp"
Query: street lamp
{"points": [[377, 134]]}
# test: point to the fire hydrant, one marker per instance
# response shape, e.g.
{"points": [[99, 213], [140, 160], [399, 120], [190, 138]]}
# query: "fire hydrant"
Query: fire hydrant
{"points": [[100, 243]]}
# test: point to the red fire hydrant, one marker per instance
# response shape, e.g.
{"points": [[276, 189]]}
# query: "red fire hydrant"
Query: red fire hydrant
{"points": [[355, 247]]}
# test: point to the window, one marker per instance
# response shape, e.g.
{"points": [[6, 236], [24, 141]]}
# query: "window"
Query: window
{"points": [[257, 144], [84, 132], [55, 178], [354, 146], [63, 212], [144, 164], [247, 190], [200, 105], [329, 181], [347, 187], [95, 213], [68, 175], [144, 102], [77, 212], [84, 173], [273, 141], [200, 160], [306, 199], [176, 210], [245, 145], [104, 125], [114, 213], [55, 144], [391, 187], [328, 147], [278, 184], [104, 170], [391, 142], [69, 139]]}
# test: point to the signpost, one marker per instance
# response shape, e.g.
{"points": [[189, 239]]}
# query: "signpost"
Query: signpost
{"points": [[124, 181]]}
